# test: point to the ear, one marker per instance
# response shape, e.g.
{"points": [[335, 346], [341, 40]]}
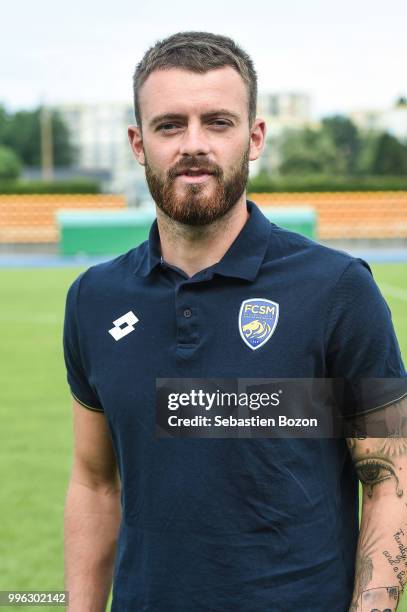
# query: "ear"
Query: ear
{"points": [[257, 138], [136, 143]]}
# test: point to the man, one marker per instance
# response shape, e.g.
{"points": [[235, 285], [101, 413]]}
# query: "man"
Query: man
{"points": [[224, 524]]}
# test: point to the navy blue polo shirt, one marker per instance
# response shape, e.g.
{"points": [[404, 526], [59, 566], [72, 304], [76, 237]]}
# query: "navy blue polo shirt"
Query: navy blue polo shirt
{"points": [[228, 525]]}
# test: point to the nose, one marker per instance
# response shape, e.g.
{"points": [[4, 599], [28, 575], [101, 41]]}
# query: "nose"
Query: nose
{"points": [[194, 141]]}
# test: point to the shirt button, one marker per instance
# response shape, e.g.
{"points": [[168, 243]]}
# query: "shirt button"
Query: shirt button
{"points": [[187, 313]]}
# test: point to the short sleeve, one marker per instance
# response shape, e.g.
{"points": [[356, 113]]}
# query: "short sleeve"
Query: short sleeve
{"points": [[77, 377], [362, 350]]}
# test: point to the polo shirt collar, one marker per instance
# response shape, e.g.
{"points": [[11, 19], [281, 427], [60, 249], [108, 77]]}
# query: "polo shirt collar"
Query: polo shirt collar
{"points": [[150, 257], [243, 258]]}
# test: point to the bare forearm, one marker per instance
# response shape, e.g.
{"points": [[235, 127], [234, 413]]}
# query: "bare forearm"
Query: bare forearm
{"points": [[92, 518], [381, 561]]}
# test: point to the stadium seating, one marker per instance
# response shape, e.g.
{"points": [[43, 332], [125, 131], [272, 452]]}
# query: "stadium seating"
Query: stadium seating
{"points": [[366, 215], [31, 218]]}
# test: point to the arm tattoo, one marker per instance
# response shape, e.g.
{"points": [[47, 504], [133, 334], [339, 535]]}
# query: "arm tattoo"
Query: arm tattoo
{"points": [[376, 458], [367, 546], [394, 447], [375, 470], [398, 561], [379, 462], [381, 599]]}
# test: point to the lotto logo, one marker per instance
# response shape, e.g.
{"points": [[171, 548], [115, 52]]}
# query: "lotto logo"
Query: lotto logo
{"points": [[123, 325]]}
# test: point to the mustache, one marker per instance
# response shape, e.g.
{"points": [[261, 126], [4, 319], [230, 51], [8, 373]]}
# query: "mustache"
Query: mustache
{"points": [[197, 163]]}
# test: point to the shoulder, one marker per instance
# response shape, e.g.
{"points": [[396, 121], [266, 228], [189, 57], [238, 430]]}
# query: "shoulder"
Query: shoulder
{"points": [[312, 260], [109, 275]]}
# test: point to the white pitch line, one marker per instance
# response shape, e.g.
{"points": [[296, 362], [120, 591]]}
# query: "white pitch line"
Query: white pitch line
{"points": [[395, 292]]}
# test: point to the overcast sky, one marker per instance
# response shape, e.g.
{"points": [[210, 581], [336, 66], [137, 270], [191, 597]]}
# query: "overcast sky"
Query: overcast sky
{"points": [[347, 55]]}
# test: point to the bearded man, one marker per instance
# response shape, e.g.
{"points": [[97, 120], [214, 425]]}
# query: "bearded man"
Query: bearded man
{"points": [[222, 524]]}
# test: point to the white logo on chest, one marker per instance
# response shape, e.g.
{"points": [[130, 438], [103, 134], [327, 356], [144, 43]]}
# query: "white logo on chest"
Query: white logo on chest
{"points": [[123, 325]]}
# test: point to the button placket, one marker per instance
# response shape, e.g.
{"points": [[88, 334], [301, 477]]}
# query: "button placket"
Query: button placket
{"points": [[186, 316]]}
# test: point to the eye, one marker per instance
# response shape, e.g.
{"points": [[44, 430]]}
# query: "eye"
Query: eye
{"points": [[373, 471], [167, 127], [220, 123]]}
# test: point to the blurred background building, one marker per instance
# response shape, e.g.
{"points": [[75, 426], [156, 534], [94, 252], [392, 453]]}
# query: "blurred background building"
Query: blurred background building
{"points": [[99, 136], [392, 120]]}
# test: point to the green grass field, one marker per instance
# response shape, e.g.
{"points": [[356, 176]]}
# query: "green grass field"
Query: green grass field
{"points": [[36, 418]]}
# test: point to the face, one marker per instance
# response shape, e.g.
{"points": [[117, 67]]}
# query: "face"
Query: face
{"points": [[196, 142]]}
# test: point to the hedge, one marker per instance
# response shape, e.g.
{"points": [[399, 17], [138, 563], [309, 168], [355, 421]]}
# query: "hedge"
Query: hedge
{"points": [[73, 186], [315, 183]]}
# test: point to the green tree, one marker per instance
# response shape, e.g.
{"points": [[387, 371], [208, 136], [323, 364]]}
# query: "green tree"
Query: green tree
{"points": [[10, 166], [367, 152], [22, 133], [308, 151], [4, 118], [390, 156], [345, 137]]}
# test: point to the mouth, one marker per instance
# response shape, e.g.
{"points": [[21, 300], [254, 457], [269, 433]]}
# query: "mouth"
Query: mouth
{"points": [[194, 176]]}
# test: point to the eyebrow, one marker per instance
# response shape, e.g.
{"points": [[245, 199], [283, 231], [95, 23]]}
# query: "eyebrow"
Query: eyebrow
{"points": [[205, 116]]}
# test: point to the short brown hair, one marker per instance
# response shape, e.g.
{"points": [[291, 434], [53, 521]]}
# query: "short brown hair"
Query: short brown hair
{"points": [[198, 52]]}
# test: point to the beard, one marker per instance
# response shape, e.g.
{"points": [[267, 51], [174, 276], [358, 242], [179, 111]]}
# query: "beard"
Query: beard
{"points": [[198, 203]]}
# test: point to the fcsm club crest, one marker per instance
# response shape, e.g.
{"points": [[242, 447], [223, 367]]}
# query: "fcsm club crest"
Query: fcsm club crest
{"points": [[257, 321]]}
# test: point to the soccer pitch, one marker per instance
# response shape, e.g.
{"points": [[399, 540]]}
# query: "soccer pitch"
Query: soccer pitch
{"points": [[36, 409]]}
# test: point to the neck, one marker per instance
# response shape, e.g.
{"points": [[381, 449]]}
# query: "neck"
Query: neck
{"points": [[194, 248]]}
